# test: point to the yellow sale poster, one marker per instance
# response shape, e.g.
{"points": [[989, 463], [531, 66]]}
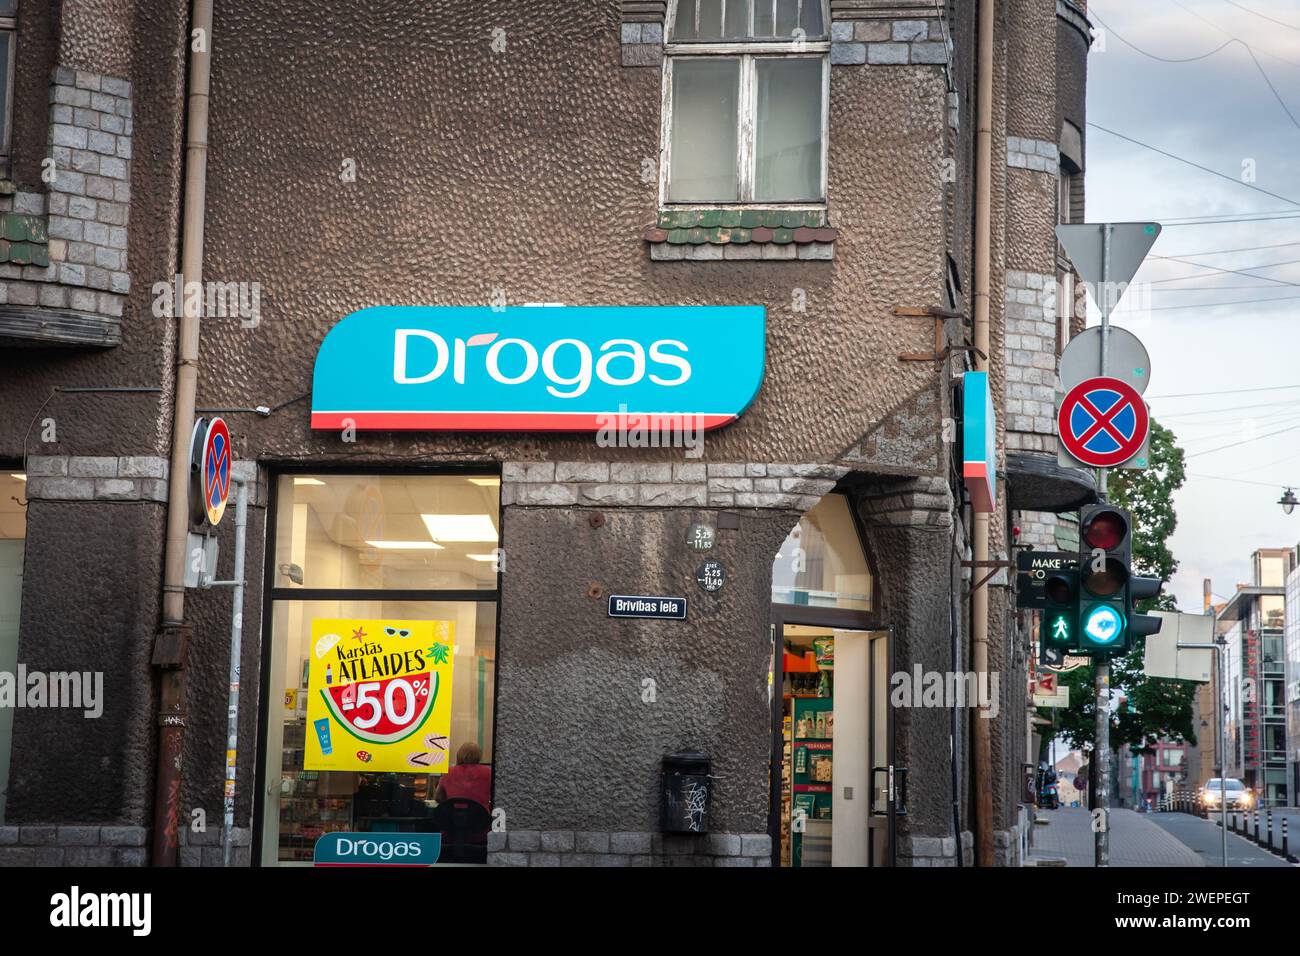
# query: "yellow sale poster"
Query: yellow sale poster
{"points": [[379, 695]]}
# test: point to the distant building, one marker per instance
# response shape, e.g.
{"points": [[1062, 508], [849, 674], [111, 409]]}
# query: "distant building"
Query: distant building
{"points": [[1255, 677], [1292, 691]]}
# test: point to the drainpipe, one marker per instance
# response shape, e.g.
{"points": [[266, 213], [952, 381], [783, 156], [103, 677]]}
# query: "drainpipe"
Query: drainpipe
{"points": [[983, 755], [170, 649]]}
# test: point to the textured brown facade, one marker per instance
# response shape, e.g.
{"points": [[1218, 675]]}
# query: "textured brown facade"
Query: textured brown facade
{"points": [[492, 164]]}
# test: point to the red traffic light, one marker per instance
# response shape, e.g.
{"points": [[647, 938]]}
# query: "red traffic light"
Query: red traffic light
{"points": [[1105, 530]]}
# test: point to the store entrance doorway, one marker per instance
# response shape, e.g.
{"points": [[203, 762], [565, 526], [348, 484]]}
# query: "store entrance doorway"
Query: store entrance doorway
{"points": [[831, 734]]}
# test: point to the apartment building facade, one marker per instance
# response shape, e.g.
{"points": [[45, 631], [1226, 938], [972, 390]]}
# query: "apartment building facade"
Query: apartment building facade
{"points": [[774, 200]]}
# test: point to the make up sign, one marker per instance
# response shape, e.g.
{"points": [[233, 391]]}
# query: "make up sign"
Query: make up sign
{"points": [[564, 368]]}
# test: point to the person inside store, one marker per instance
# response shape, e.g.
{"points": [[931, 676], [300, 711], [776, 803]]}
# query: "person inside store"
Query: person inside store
{"points": [[464, 795], [470, 779]]}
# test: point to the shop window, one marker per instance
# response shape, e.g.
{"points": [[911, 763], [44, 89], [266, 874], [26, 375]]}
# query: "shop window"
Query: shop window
{"points": [[381, 661], [745, 102], [13, 531], [8, 48], [821, 563]]}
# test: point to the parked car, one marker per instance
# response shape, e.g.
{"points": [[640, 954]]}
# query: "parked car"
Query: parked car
{"points": [[1233, 791]]}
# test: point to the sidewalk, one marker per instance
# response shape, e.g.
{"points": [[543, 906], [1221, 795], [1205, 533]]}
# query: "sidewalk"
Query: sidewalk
{"points": [[1134, 840]]}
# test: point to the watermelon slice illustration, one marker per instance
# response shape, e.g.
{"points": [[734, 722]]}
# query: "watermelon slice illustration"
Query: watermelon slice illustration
{"points": [[383, 711]]}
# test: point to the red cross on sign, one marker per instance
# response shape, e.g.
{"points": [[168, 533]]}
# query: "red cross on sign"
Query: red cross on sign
{"points": [[1103, 422]]}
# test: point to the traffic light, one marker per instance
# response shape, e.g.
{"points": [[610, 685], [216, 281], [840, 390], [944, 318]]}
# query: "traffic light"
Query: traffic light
{"points": [[1108, 589], [1060, 614], [1104, 548]]}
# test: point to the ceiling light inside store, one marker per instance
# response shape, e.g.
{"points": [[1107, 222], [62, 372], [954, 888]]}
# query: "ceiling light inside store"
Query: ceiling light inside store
{"points": [[460, 527], [485, 482], [19, 477], [308, 481], [481, 557], [406, 545]]}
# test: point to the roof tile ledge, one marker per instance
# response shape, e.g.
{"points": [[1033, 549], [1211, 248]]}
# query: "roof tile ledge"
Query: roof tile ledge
{"points": [[747, 234]]}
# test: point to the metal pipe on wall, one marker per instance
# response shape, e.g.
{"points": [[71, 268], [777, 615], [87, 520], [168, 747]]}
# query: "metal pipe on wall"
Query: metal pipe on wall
{"points": [[982, 758], [170, 650]]}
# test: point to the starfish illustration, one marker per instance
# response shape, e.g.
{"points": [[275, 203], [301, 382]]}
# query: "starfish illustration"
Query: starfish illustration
{"points": [[358, 634]]}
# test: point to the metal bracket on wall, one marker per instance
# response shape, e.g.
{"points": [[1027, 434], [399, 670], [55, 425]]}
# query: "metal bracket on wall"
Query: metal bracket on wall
{"points": [[995, 567], [941, 350]]}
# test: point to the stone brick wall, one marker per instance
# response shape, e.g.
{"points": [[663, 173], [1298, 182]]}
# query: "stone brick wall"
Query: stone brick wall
{"points": [[93, 478], [74, 478], [204, 849], [921, 851], [890, 42], [72, 846], [627, 848], [667, 484], [706, 252], [1030, 356], [86, 204], [1036, 154]]}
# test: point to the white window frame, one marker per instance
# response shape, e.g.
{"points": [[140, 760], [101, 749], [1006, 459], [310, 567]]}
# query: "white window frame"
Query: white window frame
{"points": [[748, 52], [9, 35]]}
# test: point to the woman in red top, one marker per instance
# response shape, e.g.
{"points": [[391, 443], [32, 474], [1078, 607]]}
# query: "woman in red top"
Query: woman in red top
{"points": [[468, 779]]}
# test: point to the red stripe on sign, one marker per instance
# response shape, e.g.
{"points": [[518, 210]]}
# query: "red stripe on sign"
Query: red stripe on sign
{"points": [[509, 421]]}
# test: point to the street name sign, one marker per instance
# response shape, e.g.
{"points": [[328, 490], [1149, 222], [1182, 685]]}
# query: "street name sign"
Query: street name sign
{"points": [[640, 605]]}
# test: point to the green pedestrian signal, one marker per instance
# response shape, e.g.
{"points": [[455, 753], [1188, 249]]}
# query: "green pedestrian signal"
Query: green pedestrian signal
{"points": [[1061, 593]]}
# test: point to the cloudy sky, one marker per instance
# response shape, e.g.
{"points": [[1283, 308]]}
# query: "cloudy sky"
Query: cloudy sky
{"points": [[1213, 333]]}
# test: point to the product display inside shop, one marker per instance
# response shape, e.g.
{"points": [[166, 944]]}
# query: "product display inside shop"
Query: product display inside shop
{"points": [[383, 710], [808, 734]]}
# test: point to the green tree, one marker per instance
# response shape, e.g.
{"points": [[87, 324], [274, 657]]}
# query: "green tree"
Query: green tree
{"points": [[1154, 707]]}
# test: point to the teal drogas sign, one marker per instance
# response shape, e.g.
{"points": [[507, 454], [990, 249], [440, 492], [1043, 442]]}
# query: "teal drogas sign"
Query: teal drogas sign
{"points": [[377, 849], [561, 368]]}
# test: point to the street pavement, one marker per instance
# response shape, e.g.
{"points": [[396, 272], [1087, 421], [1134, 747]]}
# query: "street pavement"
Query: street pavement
{"points": [[1134, 840], [1143, 840], [1204, 838]]}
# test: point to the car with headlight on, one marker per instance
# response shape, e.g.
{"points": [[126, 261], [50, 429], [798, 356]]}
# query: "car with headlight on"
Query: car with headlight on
{"points": [[1231, 790]]}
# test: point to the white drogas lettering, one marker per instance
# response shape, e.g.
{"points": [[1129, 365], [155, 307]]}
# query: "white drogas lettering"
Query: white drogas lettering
{"points": [[676, 361], [530, 361], [581, 381], [635, 353], [400, 374]]}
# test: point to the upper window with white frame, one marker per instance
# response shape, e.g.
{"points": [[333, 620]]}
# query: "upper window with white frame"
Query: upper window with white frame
{"points": [[745, 102], [8, 43]]}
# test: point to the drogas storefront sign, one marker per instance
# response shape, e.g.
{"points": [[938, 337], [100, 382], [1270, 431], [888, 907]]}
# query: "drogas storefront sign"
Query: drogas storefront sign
{"points": [[463, 368]]}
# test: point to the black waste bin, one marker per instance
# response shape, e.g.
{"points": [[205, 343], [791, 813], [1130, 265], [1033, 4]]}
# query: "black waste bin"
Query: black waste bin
{"points": [[684, 793]]}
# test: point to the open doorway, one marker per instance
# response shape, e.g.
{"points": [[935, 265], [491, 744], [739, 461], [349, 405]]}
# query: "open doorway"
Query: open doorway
{"points": [[831, 765]]}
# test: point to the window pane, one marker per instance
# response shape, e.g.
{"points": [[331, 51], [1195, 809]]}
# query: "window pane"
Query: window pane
{"points": [[706, 96], [304, 804], [810, 18], [6, 114], [821, 562], [684, 21], [8, 8], [788, 132], [787, 17], [710, 19], [386, 531], [764, 18], [736, 26]]}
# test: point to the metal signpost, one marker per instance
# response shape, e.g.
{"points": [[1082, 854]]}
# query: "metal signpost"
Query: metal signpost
{"points": [[1098, 252], [212, 463]]}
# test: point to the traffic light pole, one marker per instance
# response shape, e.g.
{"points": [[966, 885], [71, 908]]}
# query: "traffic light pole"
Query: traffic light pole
{"points": [[1101, 756], [1101, 711]]}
